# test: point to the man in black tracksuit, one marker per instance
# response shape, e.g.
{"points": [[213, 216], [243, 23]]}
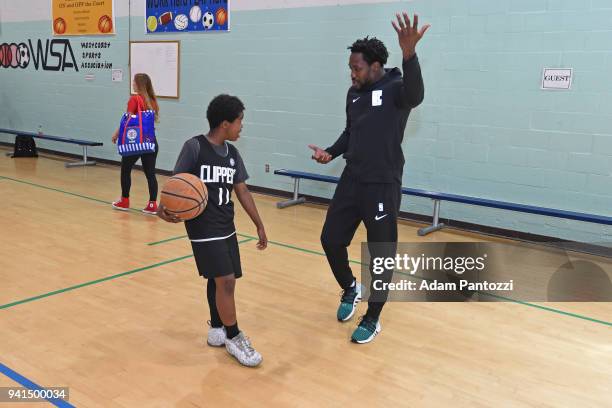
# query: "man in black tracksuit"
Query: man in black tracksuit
{"points": [[377, 108]]}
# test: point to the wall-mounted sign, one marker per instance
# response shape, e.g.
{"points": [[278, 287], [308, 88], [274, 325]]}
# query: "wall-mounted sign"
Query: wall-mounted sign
{"points": [[186, 16], [56, 54], [557, 78], [83, 17], [117, 75], [52, 55], [94, 55]]}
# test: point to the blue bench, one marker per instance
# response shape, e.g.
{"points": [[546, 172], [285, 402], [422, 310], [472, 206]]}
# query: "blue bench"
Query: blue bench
{"points": [[84, 143], [439, 197]]}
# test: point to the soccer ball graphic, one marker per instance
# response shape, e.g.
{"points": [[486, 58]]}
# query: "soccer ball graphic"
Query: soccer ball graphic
{"points": [[195, 14], [23, 55], [180, 22], [208, 20]]}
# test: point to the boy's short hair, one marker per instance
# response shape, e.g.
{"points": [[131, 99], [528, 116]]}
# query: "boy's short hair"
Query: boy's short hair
{"points": [[223, 107]]}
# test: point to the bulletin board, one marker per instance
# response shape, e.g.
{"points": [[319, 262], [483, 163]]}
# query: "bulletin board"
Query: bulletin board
{"points": [[161, 61]]}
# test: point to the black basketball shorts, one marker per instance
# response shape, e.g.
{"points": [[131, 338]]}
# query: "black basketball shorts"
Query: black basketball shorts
{"points": [[218, 258]]}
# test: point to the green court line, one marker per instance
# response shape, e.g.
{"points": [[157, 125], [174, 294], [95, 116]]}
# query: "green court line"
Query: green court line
{"points": [[144, 268], [246, 240], [507, 299], [309, 251], [57, 292], [561, 312], [166, 240], [63, 191], [550, 309], [253, 238]]}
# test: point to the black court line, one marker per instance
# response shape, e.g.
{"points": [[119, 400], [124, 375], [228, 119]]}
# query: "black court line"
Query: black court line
{"points": [[550, 309]]}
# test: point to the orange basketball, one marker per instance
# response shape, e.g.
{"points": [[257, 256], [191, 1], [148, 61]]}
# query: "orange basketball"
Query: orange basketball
{"points": [[105, 24], [184, 195], [59, 26], [221, 16]]}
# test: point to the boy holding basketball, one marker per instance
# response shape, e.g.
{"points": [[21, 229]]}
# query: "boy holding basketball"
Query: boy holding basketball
{"points": [[213, 234]]}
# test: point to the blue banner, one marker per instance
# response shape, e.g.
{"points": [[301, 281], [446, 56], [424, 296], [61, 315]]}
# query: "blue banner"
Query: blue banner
{"points": [[176, 16]]}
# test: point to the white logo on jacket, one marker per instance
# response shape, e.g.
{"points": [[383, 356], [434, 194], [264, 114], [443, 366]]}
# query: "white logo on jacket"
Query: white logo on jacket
{"points": [[377, 97]]}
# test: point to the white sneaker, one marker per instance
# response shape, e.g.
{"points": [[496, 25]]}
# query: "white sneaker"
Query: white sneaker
{"points": [[216, 336], [241, 348]]}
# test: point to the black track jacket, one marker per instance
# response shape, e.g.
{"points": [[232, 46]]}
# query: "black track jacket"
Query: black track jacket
{"points": [[376, 117]]}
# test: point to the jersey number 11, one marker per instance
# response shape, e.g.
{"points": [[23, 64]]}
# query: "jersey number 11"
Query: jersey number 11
{"points": [[227, 196]]}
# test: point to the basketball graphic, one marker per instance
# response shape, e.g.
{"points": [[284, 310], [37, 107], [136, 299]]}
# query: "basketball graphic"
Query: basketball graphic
{"points": [[221, 16], [208, 20], [105, 24], [180, 22], [195, 14], [152, 23], [59, 26]]}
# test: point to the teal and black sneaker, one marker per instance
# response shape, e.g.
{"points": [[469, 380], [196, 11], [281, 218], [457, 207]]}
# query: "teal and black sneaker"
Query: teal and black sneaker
{"points": [[348, 302], [367, 329]]}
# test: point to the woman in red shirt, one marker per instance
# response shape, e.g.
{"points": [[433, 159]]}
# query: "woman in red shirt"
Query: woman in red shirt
{"points": [[144, 99]]}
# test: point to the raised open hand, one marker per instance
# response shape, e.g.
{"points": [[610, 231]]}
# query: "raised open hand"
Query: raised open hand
{"points": [[408, 34]]}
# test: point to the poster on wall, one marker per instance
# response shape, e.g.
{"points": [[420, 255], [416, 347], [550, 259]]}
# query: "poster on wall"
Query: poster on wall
{"points": [[186, 16], [83, 17]]}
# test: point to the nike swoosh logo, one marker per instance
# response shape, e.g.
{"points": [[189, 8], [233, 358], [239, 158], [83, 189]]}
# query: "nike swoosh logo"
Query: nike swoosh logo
{"points": [[356, 99], [380, 217]]}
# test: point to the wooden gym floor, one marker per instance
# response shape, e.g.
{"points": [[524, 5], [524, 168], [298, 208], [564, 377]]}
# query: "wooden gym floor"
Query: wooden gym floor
{"points": [[110, 305]]}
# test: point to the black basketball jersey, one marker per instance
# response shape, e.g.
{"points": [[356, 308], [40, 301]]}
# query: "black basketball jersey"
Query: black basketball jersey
{"points": [[217, 220]]}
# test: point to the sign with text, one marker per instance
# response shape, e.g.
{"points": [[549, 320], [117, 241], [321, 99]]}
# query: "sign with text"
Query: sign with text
{"points": [[557, 78], [163, 16], [56, 54], [83, 17]]}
